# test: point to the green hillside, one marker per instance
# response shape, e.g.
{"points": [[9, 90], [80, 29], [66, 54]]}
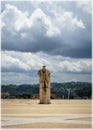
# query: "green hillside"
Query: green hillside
{"points": [[75, 90]]}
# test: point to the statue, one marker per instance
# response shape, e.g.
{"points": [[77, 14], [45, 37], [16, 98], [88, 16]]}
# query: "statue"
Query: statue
{"points": [[44, 81]]}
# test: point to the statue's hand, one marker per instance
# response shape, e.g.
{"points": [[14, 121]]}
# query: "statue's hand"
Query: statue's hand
{"points": [[45, 89]]}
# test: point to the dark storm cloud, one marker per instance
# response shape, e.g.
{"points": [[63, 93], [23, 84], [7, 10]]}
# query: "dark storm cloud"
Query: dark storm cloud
{"points": [[68, 42], [41, 43], [70, 46]]}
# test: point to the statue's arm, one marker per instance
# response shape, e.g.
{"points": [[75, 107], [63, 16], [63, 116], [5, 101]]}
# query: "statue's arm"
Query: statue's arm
{"points": [[49, 73], [39, 74]]}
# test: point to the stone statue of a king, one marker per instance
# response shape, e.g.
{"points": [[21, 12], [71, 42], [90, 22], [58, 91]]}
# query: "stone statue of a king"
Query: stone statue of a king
{"points": [[44, 80]]}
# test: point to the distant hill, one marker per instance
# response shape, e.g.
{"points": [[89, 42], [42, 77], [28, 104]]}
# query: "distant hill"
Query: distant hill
{"points": [[61, 90]]}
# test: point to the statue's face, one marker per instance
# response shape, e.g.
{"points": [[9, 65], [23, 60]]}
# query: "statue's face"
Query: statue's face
{"points": [[44, 68]]}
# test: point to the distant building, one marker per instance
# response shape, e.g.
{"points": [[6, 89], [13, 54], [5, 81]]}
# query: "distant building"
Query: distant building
{"points": [[85, 97], [5, 95], [53, 96], [76, 97], [35, 96]]}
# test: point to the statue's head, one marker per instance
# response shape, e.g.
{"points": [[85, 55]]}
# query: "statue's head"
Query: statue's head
{"points": [[44, 67]]}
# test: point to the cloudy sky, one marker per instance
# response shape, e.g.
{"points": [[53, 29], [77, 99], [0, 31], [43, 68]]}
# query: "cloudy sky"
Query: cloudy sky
{"points": [[52, 33]]}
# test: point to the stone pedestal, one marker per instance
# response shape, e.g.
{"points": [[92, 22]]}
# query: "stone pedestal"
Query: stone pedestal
{"points": [[44, 95]]}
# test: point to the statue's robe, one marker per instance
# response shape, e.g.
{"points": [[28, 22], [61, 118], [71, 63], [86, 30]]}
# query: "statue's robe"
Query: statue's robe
{"points": [[44, 80]]}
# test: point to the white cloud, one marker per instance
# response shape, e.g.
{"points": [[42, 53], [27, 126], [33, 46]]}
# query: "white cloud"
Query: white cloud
{"points": [[31, 61], [76, 66], [9, 61], [16, 20], [86, 6], [13, 18], [39, 16], [22, 68], [20, 20], [66, 19]]}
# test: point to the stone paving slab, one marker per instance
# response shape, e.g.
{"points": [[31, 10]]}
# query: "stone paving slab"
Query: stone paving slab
{"points": [[63, 118], [59, 114]]}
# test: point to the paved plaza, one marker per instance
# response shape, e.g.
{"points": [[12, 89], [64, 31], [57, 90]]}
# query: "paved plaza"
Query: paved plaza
{"points": [[59, 114]]}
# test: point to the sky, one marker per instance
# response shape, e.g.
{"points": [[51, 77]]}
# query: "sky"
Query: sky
{"points": [[57, 34]]}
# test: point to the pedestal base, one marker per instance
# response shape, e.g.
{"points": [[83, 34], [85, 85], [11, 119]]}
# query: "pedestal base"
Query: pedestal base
{"points": [[44, 95], [44, 102]]}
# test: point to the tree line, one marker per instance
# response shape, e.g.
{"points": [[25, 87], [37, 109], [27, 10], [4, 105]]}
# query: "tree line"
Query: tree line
{"points": [[71, 90]]}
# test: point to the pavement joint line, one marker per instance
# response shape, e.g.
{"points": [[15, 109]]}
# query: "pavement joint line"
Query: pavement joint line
{"points": [[44, 114], [8, 121], [47, 108]]}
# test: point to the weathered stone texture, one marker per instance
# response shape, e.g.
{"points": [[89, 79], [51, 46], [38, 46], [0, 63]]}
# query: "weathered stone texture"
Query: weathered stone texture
{"points": [[44, 81]]}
